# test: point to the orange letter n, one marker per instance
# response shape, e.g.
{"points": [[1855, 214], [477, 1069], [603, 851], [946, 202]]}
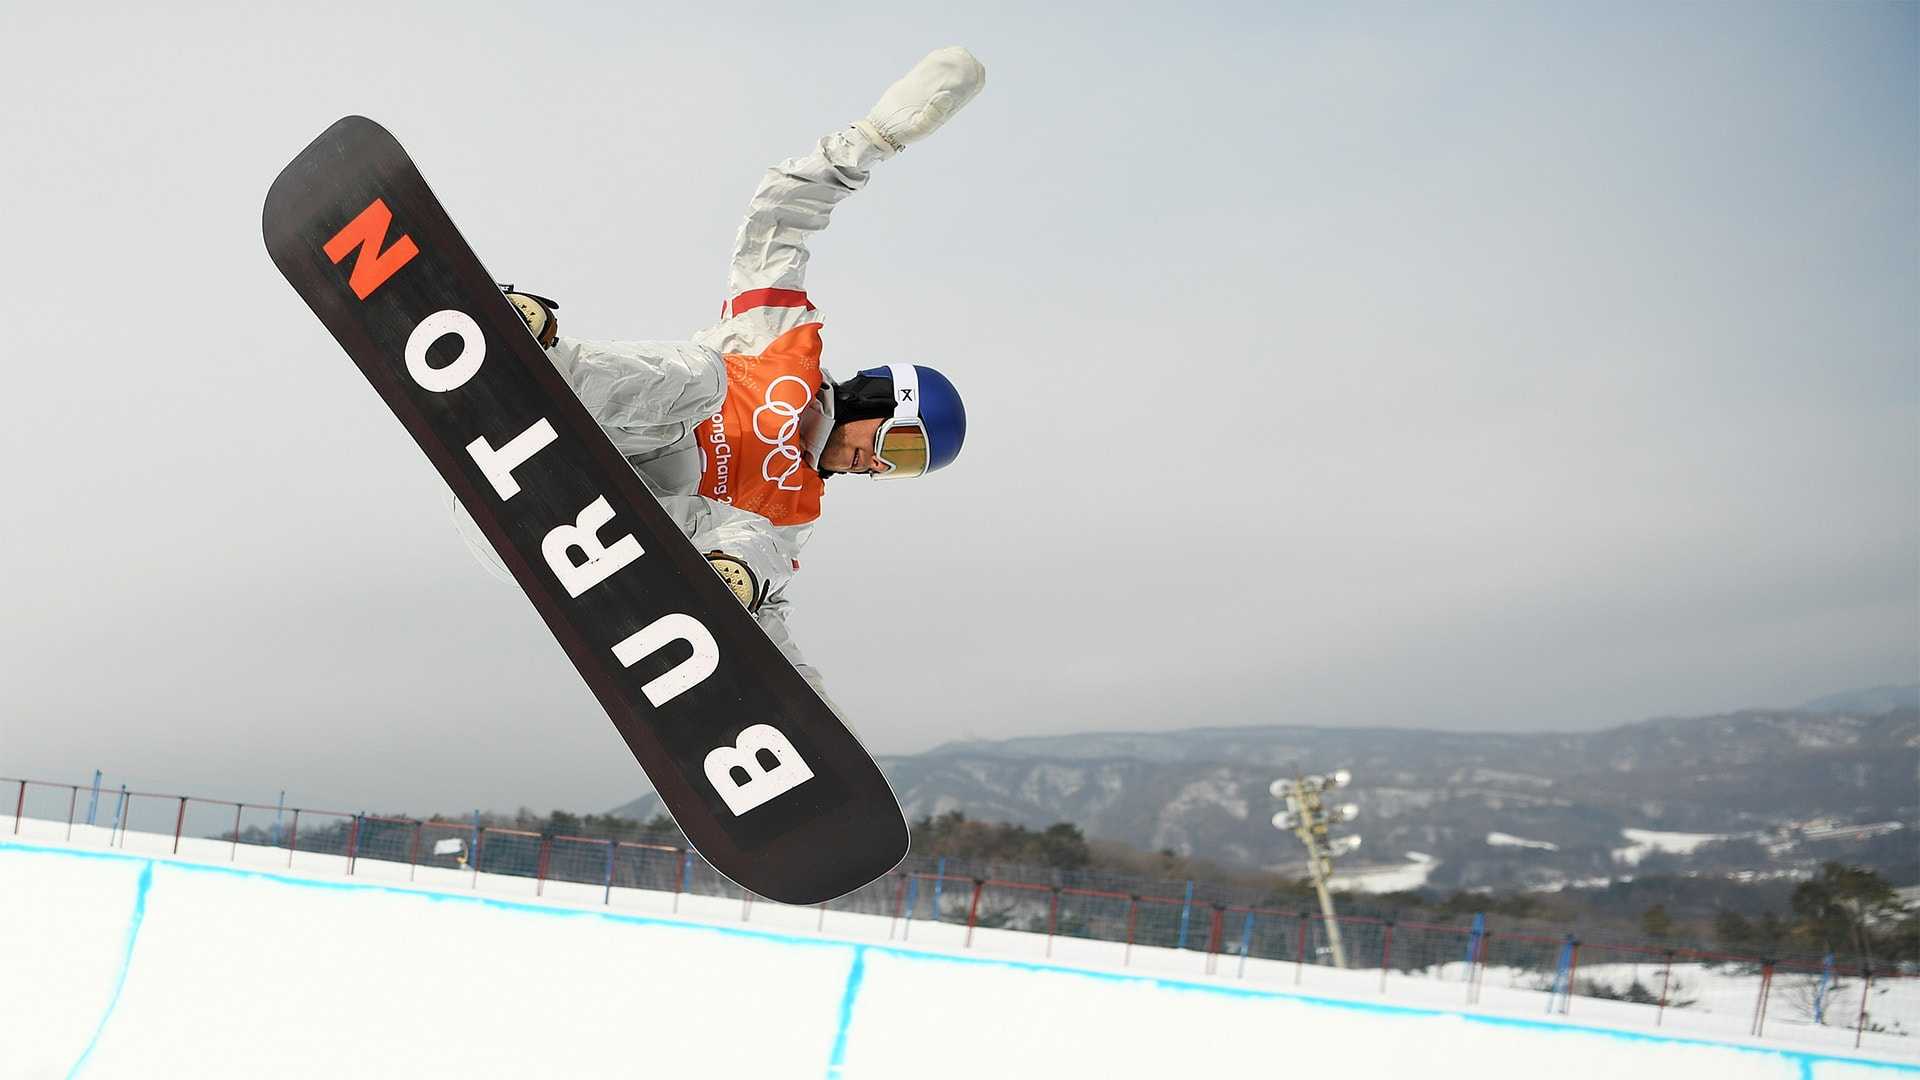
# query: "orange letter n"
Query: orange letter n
{"points": [[372, 267]]}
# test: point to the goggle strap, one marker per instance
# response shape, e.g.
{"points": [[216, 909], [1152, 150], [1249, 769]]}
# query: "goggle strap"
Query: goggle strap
{"points": [[906, 390]]}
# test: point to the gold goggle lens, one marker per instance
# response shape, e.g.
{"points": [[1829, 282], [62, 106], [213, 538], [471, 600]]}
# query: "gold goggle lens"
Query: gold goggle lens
{"points": [[902, 445]]}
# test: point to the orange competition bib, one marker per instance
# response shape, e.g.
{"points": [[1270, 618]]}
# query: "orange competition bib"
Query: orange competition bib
{"points": [[750, 449]]}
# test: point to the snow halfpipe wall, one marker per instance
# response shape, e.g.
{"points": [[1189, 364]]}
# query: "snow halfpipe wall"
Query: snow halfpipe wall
{"points": [[129, 966]]}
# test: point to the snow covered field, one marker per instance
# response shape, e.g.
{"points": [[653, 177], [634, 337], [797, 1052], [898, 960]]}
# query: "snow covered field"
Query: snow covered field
{"points": [[133, 963], [1500, 839], [1644, 842], [1385, 879]]}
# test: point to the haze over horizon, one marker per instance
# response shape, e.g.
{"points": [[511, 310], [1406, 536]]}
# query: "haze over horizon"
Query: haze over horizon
{"points": [[1909, 695], [1471, 368]]}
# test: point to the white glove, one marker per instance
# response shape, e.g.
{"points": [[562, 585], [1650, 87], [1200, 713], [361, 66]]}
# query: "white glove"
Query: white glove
{"points": [[923, 99]]}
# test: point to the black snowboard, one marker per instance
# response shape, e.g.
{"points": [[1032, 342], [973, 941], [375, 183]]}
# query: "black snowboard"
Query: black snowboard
{"points": [[774, 791]]}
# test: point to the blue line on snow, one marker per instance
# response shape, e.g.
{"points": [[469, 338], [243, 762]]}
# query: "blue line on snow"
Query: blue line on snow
{"points": [[855, 974], [1805, 1058], [126, 962]]}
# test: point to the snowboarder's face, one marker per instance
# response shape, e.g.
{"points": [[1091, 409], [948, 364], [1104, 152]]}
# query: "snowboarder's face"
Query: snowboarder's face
{"points": [[850, 448]]}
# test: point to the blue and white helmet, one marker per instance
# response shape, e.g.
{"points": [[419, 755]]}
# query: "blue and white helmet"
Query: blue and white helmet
{"points": [[926, 422]]}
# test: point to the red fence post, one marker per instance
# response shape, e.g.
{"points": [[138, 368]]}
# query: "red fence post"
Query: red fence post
{"points": [[899, 903], [235, 853], [1386, 955], [72, 801], [681, 862], [1053, 919], [1213, 938], [973, 910], [19, 807], [1477, 967], [353, 843], [293, 837], [1666, 980], [746, 905], [546, 854], [1300, 950], [1760, 1003], [179, 822]]}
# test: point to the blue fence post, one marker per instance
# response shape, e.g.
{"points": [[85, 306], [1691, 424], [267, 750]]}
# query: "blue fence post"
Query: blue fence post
{"points": [[1186, 909], [1473, 941], [940, 878], [119, 805], [1562, 968], [93, 801], [1820, 995], [611, 844], [1246, 940], [473, 845], [279, 809]]}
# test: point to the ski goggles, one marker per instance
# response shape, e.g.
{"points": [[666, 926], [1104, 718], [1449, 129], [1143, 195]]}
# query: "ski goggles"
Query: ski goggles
{"points": [[901, 443]]}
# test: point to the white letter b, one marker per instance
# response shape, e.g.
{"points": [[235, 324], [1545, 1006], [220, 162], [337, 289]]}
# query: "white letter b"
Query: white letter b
{"points": [[788, 772]]}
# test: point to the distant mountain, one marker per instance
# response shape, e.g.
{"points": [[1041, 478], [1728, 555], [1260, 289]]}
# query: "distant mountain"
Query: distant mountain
{"points": [[1204, 791], [1872, 702]]}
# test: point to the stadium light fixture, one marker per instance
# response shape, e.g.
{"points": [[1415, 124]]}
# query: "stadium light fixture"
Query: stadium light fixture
{"points": [[1308, 818]]}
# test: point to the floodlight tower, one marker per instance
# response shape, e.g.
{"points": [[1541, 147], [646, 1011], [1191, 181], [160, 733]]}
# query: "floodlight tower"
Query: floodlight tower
{"points": [[1307, 817]]}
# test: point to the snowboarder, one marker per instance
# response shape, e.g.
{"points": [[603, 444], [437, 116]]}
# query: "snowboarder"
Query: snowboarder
{"points": [[735, 430]]}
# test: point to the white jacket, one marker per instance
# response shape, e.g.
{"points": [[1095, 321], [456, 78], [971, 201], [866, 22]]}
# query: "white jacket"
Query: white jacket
{"points": [[649, 395]]}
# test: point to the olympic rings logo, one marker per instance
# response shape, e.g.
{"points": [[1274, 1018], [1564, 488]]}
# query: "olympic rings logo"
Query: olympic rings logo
{"points": [[789, 416]]}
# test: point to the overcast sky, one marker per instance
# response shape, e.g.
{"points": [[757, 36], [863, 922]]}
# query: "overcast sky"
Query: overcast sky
{"points": [[1508, 367]]}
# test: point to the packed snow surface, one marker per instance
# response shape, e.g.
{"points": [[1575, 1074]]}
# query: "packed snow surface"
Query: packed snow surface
{"points": [[1644, 842], [1500, 839], [139, 964], [1385, 879]]}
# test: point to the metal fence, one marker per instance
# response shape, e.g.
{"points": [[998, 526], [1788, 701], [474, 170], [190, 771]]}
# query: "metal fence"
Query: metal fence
{"points": [[1225, 928]]}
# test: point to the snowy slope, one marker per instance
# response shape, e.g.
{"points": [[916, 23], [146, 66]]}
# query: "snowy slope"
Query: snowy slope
{"points": [[131, 965]]}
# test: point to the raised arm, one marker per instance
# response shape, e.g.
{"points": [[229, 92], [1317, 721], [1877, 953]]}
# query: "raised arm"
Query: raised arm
{"points": [[794, 201], [767, 277]]}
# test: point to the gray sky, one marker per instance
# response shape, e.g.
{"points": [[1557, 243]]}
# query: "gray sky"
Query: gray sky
{"points": [[1502, 367]]}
